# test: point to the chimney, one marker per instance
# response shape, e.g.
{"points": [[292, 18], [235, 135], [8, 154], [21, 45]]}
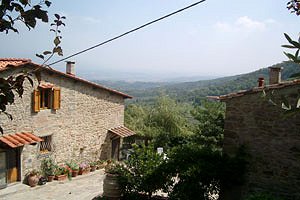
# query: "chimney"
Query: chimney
{"points": [[70, 68], [261, 82], [274, 75]]}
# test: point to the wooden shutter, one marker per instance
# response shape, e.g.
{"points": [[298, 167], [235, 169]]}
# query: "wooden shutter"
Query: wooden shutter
{"points": [[56, 98], [36, 100]]}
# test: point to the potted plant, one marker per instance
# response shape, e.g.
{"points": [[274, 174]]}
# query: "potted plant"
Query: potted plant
{"points": [[48, 167], [93, 166], [74, 167], [62, 172], [84, 168], [33, 178]]}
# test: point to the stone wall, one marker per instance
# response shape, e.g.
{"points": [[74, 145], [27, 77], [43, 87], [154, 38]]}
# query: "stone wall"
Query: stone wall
{"points": [[271, 137], [79, 128]]}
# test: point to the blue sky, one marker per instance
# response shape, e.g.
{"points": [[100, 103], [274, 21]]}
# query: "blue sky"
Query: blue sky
{"points": [[215, 38]]}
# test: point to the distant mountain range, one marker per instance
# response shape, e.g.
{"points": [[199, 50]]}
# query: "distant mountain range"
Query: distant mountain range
{"points": [[146, 92]]}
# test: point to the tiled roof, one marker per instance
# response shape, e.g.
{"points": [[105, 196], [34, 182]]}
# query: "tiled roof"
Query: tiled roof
{"points": [[6, 63], [122, 131], [19, 139], [255, 90]]}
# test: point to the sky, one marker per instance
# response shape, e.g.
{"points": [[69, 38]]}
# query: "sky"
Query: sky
{"points": [[215, 38]]}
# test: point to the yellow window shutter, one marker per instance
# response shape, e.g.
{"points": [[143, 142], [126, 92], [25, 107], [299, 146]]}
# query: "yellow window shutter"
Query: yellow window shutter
{"points": [[56, 98], [36, 100]]}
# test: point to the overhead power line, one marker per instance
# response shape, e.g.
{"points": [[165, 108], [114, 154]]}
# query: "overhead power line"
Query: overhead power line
{"points": [[128, 32]]}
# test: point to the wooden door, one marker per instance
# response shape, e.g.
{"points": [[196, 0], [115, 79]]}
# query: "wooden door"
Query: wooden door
{"points": [[115, 149], [12, 165]]}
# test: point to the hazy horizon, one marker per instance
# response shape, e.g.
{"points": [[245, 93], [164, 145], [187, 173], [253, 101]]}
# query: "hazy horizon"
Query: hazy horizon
{"points": [[216, 38]]}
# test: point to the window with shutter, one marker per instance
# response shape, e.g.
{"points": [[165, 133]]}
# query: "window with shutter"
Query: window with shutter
{"points": [[46, 98]]}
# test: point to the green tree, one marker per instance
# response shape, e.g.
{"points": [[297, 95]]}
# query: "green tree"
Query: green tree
{"points": [[210, 127], [23, 11]]}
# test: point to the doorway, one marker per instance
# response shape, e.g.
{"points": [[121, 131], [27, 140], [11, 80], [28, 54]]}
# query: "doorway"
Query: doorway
{"points": [[13, 165], [115, 148]]}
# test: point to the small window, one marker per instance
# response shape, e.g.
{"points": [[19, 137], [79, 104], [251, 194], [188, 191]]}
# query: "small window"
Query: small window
{"points": [[46, 144], [45, 101]]}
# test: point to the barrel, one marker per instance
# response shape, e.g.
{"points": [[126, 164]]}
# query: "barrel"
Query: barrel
{"points": [[111, 187]]}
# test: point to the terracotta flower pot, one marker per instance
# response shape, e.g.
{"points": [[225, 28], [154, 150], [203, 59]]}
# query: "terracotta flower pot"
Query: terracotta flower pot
{"points": [[50, 178], [33, 180], [75, 173], [61, 177], [93, 168]]}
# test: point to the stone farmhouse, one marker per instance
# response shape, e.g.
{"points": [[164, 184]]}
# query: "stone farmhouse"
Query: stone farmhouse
{"points": [[270, 134], [62, 116]]}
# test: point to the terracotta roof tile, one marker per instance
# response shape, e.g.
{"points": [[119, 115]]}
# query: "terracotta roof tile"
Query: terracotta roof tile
{"points": [[19, 139], [255, 90], [122, 131], [46, 85], [4, 62]]}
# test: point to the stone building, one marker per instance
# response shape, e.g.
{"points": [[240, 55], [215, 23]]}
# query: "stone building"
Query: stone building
{"points": [[62, 116], [270, 133]]}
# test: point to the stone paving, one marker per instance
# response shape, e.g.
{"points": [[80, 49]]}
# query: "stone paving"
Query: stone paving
{"points": [[84, 187]]}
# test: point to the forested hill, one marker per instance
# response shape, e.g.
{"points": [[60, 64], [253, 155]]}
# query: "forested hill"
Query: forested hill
{"points": [[195, 91]]}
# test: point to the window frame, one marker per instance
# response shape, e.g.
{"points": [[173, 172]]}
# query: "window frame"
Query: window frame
{"points": [[46, 146], [43, 97]]}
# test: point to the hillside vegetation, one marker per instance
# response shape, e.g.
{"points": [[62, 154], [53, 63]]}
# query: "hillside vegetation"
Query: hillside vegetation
{"points": [[193, 92]]}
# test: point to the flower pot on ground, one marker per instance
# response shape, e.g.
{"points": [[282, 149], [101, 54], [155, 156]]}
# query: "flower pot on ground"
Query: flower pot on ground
{"points": [[74, 167], [83, 168], [33, 178], [62, 172], [75, 173], [50, 178], [61, 177]]}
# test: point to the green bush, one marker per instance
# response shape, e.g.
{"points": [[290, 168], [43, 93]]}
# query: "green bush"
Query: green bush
{"points": [[144, 172], [202, 171]]}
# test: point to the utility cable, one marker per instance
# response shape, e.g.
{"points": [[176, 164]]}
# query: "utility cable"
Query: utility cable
{"points": [[128, 32]]}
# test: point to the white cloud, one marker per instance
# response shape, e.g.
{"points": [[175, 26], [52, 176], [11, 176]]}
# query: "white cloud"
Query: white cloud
{"points": [[249, 24], [244, 23]]}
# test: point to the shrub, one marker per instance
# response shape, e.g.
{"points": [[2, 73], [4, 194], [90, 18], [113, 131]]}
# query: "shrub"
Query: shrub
{"points": [[144, 173], [202, 171]]}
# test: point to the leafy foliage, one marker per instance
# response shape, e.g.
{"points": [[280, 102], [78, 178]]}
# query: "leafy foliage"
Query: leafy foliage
{"points": [[12, 11], [202, 171], [165, 122], [210, 127], [144, 172], [294, 6]]}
